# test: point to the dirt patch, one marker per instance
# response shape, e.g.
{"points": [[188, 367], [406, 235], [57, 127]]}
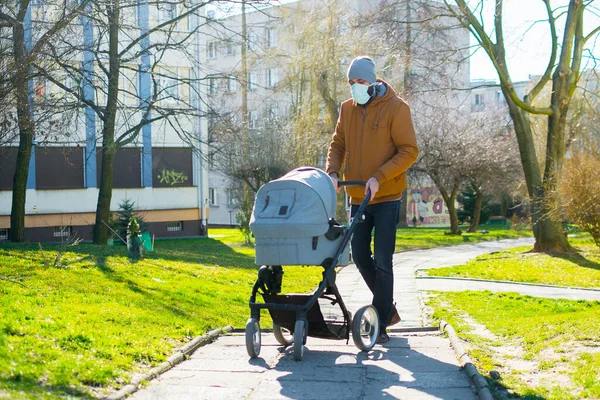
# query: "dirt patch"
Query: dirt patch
{"points": [[510, 361]]}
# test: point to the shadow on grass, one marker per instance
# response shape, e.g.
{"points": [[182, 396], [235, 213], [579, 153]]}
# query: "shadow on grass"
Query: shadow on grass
{"points": [[499, 391], [31, 387], [577, 258]]}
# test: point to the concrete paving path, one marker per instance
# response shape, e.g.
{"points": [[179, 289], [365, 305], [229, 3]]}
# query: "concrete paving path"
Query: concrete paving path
{"points": [[412, 365]]}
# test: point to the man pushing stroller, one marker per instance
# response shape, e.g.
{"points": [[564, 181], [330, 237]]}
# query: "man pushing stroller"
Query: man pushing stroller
{"points": [[374, 136]]}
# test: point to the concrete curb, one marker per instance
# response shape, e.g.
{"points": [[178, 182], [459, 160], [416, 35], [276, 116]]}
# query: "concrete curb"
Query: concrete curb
{"points": [[481, 385], [180, 355], [457, 278]]}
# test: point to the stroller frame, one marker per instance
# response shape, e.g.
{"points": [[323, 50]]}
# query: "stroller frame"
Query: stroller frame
{"points": [[305, 308]]}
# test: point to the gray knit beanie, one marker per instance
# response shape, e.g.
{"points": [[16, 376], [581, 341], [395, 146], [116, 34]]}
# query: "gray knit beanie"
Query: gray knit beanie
{"points": [[362, 68]]}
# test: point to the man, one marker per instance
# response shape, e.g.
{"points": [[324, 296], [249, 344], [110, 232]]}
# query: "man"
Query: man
{"points": [[375, 137]]}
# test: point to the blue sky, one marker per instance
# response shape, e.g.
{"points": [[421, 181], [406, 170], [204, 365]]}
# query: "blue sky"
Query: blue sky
{"points": [[527, 44]]}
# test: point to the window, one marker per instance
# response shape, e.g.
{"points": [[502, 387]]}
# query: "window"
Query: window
{"points": [[251, 41], [8, 164], [212, 85], [127, 171], [176, 226], [128, 15], [252, 80], [213, 197], [211, 160], [253, 120], [274, 112], [230, 198], [478, 99], [59, 167], [228, 49], [39, 89], [72, 84], [128, 87], [212, 50], [39, 10], [62, 231], [3, 234], [231, 84], [271, 37], [272, 77], [166, 11], [172, 167], [168, 86]]}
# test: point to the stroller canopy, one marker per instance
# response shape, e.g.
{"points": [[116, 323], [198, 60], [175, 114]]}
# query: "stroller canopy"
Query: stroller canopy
{"points": [[299, 204]]}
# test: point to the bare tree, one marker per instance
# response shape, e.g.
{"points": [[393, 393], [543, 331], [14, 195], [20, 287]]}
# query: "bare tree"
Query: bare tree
{"points": [[563, 73], [492, 159], [27, 42]]}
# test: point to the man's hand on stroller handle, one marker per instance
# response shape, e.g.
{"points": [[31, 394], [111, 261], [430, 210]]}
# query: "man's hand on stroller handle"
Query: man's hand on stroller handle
{"points": [[335, 178], [371, 186]]}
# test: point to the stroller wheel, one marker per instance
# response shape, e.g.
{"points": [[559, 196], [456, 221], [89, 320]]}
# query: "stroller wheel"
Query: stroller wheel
{"points": [[282, 335], [300, 333], [365, 328], [253, 337]]}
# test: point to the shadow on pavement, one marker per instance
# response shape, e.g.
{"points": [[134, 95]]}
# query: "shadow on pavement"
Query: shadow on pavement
{"points": [[395, 371]]}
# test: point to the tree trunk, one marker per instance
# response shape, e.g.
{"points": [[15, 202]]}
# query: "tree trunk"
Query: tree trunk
{"points": [[403, 210], [450, 200], [20, 83], [454, 228], [552, 237], [477, 211], [101, 231], [548, 232]]}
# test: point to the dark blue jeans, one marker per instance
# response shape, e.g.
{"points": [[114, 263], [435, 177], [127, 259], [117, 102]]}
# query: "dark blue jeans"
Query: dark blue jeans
{"points": [[376, 269]]}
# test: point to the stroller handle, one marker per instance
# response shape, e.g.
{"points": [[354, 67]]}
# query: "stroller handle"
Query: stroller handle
{"points": [[351, 183], [358, 183]]}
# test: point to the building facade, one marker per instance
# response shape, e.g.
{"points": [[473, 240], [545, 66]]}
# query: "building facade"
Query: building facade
{"points": [[157, 167]]}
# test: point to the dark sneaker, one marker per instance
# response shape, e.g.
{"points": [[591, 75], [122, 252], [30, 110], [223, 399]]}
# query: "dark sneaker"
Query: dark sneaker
{"points": [[383, 337], [395, 318]]}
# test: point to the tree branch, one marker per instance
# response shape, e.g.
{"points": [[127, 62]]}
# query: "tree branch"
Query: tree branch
{"points": [[533, 93]]}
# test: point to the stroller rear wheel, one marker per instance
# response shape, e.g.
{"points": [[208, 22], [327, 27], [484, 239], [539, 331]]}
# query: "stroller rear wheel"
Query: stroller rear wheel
{"points": [[253, 337], [282, 335], [300, 333], [365, 328]]}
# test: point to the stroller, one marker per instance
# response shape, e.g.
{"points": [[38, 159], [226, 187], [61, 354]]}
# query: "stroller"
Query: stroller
{"points": [[292, 222]]}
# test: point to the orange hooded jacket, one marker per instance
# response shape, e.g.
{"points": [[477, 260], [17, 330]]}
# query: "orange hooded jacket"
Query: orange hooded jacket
{"points": [[374, 141]]}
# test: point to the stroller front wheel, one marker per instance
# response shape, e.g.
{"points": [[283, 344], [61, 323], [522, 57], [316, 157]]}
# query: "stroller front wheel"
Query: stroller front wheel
{"points": [[365, 328], [253, 337], [300, 333], [282, 335]]}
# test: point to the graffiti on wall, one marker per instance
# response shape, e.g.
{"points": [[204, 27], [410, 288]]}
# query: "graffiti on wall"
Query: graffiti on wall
{"points": [[426, 207], [171, 177]]}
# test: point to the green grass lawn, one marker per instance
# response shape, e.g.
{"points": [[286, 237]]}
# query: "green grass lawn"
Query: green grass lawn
{"points": [[577, 270], [543, 348], [426, 238], [100, 318]]}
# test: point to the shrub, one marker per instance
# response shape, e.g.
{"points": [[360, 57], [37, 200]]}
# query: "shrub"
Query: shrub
{"points": [[580, 193], [124, 215]]}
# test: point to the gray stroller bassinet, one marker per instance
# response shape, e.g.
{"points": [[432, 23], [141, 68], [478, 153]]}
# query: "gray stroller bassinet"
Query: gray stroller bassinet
{"points": [[293, 220]]}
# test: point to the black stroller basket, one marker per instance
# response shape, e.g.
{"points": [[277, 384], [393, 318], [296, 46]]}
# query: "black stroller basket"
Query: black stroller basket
{"points": [[297, 316]]}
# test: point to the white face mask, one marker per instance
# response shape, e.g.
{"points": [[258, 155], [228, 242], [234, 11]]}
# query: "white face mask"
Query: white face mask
{"points": [[360, 93]]}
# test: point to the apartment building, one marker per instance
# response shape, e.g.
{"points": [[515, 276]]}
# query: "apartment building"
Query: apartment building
{"points": [[160, 169]]}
